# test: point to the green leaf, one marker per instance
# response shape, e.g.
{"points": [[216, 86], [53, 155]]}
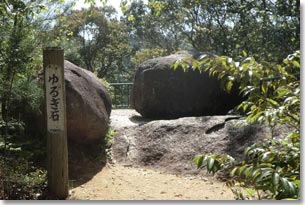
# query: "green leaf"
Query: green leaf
{"points": [[254, 118], [175, 65], [273, 102], [265, 176], [229, 85], [198, 160], [288, 186], [275, 179], [297, 183], [244, 53], [20, 75], [255, 171], [265, 165], [282, 92], [184, 67], [256, 176], [247, 172], [131, 18], [296, 63], [233, 171], [247, 90], [210, 163], [250, 191], [264, 88], [265, 156], [216, 166], [242, 169]]}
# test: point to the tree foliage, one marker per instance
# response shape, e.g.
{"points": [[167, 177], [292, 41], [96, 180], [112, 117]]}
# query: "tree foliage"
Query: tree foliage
{"points": [[271, 168], [145, 54], [266, 29], [21, 39], [101, 41], [147, 29], [96, 39]]}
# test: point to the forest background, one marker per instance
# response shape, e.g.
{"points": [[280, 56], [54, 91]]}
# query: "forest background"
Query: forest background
{"points": [[112, 45]]}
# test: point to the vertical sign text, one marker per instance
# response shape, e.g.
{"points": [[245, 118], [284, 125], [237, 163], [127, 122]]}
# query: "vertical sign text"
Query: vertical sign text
{"points": [[54, 98]]}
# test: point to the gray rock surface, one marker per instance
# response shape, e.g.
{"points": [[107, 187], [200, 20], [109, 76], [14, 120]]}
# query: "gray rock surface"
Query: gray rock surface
{"points": [[170, 145], [160, 92], [88, 105]]}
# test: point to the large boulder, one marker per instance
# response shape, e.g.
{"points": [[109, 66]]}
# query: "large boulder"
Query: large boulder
{"points": [[170, 145], [161, 92], [88, 105]]}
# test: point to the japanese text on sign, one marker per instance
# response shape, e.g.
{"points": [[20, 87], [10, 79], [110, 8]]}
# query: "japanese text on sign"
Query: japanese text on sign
{"points": [[54, 98]]}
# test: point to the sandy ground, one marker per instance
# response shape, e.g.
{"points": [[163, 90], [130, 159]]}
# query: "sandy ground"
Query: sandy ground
{"points": [[125, 118], [118, 182], [115, 182]]}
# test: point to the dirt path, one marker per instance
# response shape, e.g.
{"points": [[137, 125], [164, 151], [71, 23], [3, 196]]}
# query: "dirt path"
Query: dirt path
{"points": [[117, 182]]}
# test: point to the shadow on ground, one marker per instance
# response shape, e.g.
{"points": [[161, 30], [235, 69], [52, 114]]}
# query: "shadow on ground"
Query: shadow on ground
{"points": [[85, 162], [139, 120], [241, 137]]}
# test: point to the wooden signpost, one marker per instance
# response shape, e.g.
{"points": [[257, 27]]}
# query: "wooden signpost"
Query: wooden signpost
{"points": [[55, 98]]}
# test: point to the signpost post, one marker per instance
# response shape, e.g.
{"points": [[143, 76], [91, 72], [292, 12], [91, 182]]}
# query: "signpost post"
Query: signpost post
{"points": [[55, 98]]}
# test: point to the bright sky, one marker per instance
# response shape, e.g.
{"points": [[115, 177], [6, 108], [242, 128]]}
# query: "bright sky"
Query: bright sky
{"points": [[114, 3]]}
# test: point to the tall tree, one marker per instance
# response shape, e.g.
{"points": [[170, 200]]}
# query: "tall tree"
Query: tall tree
{"points": [[23, 31], [266, 29], [101, 42], [148, 29], [16, 35]]}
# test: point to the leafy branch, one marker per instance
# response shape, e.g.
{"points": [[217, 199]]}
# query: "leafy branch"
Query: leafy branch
{"points": [[272, 168]]}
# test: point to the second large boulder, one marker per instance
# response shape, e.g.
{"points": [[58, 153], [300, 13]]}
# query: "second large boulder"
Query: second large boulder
{"points": [[161, 92]]}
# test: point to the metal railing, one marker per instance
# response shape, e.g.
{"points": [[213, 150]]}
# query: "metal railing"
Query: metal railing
{"points": [[120, 95], [262, 80]]}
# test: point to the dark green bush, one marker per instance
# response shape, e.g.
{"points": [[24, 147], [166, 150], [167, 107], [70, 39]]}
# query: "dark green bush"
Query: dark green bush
{"points": [[21, 180], [271, 169]]}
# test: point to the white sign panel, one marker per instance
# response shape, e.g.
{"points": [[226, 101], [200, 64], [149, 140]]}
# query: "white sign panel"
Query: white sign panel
{"points": [[54, 98]]}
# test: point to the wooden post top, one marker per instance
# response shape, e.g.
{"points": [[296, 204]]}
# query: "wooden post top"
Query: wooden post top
{"points": [[53, 48]]}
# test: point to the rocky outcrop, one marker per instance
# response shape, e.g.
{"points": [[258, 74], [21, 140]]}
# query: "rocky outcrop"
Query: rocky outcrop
{"points": [[170, 145], [88, 105], [160, 92]]}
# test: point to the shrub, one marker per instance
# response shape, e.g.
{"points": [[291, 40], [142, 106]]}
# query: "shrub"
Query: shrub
{"points": [[271, 169], [20, 180]]}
